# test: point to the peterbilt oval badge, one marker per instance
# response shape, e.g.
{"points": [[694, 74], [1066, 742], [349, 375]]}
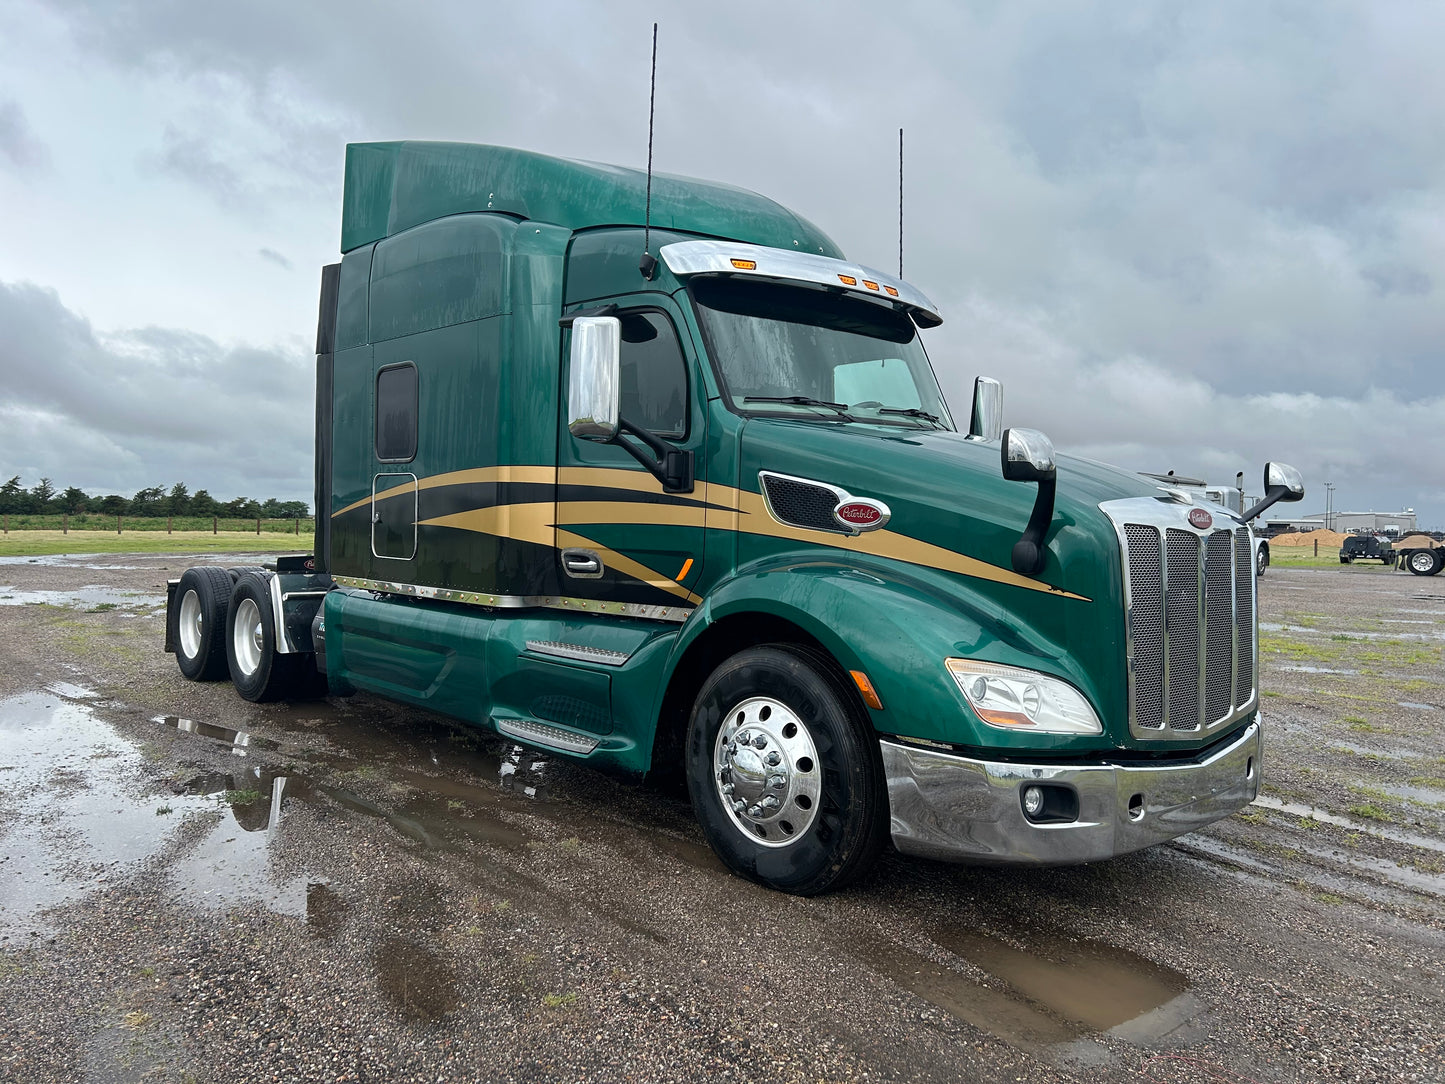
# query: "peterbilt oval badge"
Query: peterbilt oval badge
{"points": [[1198, 517], [861, 514]]}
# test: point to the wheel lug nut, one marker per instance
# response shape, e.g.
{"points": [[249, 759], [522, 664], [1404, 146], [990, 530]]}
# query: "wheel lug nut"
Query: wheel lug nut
{"points": [[745, 737], [770, 803], [777, 782], [760, 741], [755, 811], [739, 805], [774, 759], [728, 788]]}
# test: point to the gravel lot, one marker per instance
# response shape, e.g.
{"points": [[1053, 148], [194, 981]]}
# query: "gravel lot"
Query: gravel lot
{"points": [[194, 888]]}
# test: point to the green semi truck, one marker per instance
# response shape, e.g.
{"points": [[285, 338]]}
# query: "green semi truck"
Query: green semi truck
{"points": [[660, 481]]}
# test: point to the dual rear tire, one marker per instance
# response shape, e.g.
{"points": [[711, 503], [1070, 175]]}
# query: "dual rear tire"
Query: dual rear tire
{"points": [[222, 627]]}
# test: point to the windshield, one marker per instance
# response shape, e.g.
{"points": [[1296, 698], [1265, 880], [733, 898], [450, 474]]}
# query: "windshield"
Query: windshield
{"points": [[806, 352]]}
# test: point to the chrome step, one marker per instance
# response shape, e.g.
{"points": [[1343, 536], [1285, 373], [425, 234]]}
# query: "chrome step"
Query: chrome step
{"points": [[553, 737], [578, 652]]}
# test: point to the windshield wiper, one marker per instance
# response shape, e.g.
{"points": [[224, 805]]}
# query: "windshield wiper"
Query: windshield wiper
{"points": [[800, 400], [912, 412]]}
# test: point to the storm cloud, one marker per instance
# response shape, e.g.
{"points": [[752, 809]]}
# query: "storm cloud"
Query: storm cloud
{"points": [[1190, 237]]}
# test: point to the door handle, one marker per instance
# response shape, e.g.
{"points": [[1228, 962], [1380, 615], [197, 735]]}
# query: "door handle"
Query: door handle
{"points": [[582, 564]]}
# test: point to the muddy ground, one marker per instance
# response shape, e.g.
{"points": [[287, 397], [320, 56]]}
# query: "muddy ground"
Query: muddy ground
{"points": [[193, 888]]}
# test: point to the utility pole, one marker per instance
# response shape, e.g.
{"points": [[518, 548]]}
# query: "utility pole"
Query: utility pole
{"points": [[1329, 503]]}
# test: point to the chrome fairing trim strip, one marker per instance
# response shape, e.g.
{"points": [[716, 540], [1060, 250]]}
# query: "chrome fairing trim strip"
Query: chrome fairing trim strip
{"points": [[676, 614], [685, 258], [577, 652], [959, 809], [553, 737]]}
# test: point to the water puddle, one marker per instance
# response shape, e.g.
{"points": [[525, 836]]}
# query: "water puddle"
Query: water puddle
{"points": [[1335, 632], [1410, 839], [1301, 668], [76, 815], [91, 598], [68, 691], [416, 979], [1402, 886], [1047, 991], [1431, 796], [1371, 751], [238, 740], [1415, 705]]}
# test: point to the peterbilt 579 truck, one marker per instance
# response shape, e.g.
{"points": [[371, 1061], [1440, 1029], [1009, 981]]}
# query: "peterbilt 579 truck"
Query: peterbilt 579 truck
{"points": [[674, 489]]}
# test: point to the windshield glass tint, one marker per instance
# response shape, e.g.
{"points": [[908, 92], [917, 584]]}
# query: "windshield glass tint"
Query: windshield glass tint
{"points": [[769, 340]]}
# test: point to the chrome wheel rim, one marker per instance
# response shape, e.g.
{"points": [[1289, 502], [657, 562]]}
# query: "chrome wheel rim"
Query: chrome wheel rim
{"points": [[190, 625], [247, 638], [765, 771], [1422, 560]]}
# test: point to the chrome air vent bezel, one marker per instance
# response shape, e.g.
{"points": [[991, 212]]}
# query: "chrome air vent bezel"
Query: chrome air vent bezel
{"points": [[840, 498]]}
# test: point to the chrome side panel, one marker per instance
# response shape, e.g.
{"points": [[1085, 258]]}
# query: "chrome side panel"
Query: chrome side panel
{"points": [[676, 614]]}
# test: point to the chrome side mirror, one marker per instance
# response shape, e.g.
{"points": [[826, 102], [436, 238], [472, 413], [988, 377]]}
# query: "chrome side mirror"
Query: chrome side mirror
{"points": [[1282, 474], [593, 383], [1027, 456], [987, 420]]}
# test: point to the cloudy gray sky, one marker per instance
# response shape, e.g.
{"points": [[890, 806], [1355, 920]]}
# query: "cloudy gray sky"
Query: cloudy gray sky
{"points": [[1183, 235]]}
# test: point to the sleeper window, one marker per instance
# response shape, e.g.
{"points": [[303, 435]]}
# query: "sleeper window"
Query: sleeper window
{"points": [[396, 414]]}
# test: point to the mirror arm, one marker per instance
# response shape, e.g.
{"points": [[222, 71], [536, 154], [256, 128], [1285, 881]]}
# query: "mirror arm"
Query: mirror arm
{"points": [[600, 310], [672, 467], [1272, 494], [1028, 551]]}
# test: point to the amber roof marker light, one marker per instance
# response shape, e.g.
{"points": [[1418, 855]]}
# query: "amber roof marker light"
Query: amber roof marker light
{"points": [[744, 265]]}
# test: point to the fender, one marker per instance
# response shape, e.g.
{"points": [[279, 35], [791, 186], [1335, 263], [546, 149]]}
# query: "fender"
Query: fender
{"points": [[897, 627]]}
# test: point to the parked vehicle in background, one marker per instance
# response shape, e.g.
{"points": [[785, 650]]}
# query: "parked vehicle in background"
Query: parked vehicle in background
{"points": [[1367, 547], [686, 498], [1421, 560]]}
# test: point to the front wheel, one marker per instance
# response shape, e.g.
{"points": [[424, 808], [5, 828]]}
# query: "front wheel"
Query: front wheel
{"points": [[1261, 561], [785, 773]]}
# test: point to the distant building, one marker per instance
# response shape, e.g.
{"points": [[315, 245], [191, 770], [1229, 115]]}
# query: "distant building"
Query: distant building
{"points": [[1390, 523]]}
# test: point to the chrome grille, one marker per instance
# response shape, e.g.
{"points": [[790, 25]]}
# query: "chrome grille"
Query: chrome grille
{"points": [[1190, 605]]}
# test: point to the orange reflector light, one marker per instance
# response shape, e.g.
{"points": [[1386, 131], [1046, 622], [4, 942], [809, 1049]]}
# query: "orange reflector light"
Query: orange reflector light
{"points": [[745, 265], [865, 687], [847, 280], [870, 285], [891, 291], [686, 568]]}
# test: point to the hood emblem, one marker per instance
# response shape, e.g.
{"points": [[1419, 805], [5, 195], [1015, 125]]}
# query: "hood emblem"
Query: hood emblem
{"points": [[857, 514], [1201, 519]]}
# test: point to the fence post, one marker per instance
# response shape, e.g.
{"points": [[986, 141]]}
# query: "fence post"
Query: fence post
{"points": [[1317, 547], [65, 523], [213, 525], [297, 531], [258, 524], [168, 525], [117, 523], [7, 522]]}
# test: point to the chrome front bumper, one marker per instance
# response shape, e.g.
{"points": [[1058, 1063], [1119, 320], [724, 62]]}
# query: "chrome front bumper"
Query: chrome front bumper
{"points": [[964, 810]]}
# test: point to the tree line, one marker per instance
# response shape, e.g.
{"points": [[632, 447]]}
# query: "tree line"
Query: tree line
{"points": [[44, 499]]}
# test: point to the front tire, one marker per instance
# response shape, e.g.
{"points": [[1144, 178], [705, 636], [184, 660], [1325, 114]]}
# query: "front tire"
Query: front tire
{"points": [[198, 623], [784, 771], [258, 671], [1261, 561]]}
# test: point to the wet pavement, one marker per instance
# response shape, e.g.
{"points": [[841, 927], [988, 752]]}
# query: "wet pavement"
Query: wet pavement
{"points": [[193, 888]]}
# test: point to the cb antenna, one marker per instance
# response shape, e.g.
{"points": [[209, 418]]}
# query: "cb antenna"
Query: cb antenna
{"points": [[648, 264], [900, 203]]}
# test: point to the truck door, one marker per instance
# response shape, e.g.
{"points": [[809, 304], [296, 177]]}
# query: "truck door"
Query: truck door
{"points": [[621, 540]]}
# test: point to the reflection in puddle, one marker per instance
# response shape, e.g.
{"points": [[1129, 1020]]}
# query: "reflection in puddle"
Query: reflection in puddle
{"points": [[525, 771], [1415, 705], [1045, 994], [325, 910], [238, 740], [416, 979]]}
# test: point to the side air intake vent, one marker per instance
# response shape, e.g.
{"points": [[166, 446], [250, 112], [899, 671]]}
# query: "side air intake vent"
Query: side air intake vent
{"points": [[801, 503]]}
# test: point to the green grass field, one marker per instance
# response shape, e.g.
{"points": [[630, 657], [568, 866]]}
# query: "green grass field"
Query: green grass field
{"points": [[95, 521], [1304, 557], [43, 543]]}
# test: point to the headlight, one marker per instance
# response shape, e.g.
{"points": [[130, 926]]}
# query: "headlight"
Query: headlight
{"points": [[1014, 699]]}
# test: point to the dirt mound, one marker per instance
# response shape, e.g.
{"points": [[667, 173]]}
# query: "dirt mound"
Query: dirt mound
{"points": [[1309, 538], [1416, 542]]}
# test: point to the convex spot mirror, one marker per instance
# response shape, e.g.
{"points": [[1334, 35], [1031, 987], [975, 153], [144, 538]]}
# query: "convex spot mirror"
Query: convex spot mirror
{"points": [[1027, 456], [593, 382], [1282, 474]]}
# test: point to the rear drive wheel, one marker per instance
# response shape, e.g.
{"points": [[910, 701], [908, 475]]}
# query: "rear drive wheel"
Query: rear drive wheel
{"points": [[258, 671], [785, 773], [1426, 562], [1345, 558], [198, 623]]}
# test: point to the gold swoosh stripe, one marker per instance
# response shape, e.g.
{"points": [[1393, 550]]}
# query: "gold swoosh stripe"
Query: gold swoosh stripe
{"points": [[475, 476]]}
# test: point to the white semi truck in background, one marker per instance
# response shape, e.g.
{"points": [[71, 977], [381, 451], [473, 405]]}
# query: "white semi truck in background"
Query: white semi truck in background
{"points": [[1232, 497]]}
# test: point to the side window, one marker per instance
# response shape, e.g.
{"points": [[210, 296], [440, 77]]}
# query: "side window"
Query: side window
{"points": [[654, 374], [396, 413]]}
